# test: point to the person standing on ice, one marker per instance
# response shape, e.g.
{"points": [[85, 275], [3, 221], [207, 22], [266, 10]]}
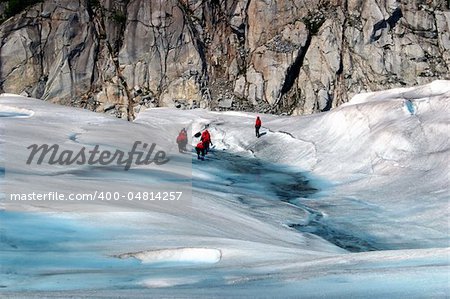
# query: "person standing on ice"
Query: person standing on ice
{"points": [[206, 139], [200, 149], [257, 126], [182, 140]]}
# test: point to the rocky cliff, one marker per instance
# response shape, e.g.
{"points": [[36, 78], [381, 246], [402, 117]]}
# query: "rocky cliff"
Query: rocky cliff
{"points": [[285, 56]]}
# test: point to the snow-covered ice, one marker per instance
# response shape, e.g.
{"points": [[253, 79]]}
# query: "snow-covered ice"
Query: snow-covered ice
{"points": [[177, 255], [349, 203]]}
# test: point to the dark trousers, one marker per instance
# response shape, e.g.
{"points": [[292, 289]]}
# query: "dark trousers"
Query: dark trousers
{"points": [[182, 146], [206, 146], [257, 130], [200, 151]]}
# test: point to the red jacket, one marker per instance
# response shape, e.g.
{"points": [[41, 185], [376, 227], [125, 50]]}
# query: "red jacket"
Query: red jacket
{"points": [[258, 122], [181, 137], [206, 138], [200, 145]]}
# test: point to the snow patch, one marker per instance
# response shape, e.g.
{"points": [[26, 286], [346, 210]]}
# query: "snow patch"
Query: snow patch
{"points": [[15, 112], [168, 282], [435, 88], [177, 255], [10, 95]]}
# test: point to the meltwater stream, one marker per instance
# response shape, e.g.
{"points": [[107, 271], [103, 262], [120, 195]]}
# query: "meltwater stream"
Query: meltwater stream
{"points": [[250, 176]]}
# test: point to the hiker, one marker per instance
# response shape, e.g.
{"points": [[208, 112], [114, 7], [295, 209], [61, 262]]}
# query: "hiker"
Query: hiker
{"points": [[200, 149], [257, 126], [206, 139], [182, 140]]}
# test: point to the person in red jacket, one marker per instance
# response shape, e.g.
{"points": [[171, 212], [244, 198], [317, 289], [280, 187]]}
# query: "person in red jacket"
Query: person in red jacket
{"points": [[200, 149], [182, 140], [206, 139], [257, 126]]}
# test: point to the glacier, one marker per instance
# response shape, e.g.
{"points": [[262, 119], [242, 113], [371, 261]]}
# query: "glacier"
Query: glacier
{"points": [[353, 202]]}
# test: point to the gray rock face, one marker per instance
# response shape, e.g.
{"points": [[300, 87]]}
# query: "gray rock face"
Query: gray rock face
{"points": [[295, 57]]}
